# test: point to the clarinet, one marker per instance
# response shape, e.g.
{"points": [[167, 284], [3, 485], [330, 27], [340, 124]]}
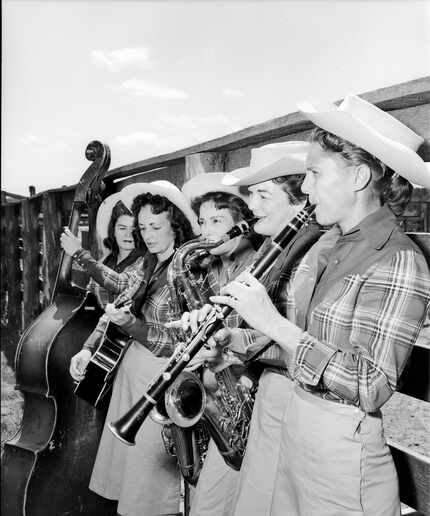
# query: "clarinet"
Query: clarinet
{"points": [[128, 425]]}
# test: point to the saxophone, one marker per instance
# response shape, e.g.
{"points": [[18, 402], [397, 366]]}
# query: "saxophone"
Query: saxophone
{"points": [[224, 410], [185, 432]]}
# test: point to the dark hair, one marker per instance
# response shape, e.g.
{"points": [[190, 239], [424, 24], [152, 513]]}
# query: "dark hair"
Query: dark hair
{"points": [[292, 186], [387, 186], [180, 224], [110, 241], [223, 200], [235, 205]]}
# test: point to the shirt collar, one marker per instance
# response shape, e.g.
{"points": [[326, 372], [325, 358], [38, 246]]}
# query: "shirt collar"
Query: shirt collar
{"points": [[376, 228]]}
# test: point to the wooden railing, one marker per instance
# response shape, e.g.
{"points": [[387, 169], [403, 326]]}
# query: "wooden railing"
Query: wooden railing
{"points": [[31, 228]]}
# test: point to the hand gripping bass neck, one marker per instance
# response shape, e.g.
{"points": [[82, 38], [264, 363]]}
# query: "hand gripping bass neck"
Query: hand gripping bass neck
{"points": [[128, 425]]}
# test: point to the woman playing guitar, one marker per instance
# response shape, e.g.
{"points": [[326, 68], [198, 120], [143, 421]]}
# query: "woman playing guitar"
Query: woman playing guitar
{"points": [[144, 479]]}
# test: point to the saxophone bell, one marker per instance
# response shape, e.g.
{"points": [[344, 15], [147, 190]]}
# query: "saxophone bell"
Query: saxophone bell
{"points": [[159, 414], [185, 400]]}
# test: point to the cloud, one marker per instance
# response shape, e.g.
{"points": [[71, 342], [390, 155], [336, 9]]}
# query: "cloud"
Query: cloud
{"points": [[232, 92], [179, 121], [138, 138], [142, 88], [30, 139], [38, 145], [121, 58], [185, 121]]}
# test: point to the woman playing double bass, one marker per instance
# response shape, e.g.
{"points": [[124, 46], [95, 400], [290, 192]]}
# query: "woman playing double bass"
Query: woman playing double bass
{"points": [[115, 228], [144, 479]]}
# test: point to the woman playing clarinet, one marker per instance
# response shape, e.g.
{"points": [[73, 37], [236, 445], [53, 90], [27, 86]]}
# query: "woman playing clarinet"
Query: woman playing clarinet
{"points": [[356, 304]]}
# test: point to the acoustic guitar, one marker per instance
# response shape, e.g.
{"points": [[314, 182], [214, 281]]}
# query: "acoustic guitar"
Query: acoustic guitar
{"points": [[101, 368]]}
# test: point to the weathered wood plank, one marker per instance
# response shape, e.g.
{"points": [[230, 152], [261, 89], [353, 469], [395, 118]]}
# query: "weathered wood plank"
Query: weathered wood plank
{"points": [[52, 229], [413, 470], [173, 173], [30, 209], [11, 278]]}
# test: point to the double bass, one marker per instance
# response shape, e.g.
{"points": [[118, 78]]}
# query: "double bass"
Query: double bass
{"points": [[46, 466]]}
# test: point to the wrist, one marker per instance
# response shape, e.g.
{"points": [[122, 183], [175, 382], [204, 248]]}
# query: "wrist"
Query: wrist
{"points": [[77, 255], [129, 323], [286, 334]]}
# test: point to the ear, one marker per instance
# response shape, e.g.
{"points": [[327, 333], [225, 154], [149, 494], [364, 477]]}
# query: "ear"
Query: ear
{"points": [[362, 177]]}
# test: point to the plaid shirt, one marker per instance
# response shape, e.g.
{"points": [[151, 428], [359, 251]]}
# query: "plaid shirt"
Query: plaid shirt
{"points": [[128, 265], [108, 278], [149, 329], [209, 282], [361, 298]]}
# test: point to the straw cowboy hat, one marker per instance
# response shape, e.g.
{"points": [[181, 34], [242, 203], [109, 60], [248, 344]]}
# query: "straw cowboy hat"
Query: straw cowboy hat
{"points": [[210, 182], [104, 214], [375, 131], [270, 161], [165, 189]]}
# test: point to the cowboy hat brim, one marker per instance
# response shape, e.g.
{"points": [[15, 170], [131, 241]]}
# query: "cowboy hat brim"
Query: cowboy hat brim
{"points": [[286, 166], [104, 214], [400, 158], [165, 189], [210, 182]]}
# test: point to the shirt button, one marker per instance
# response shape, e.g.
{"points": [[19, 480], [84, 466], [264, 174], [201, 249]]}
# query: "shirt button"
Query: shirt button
{"points": [[336, 261]]}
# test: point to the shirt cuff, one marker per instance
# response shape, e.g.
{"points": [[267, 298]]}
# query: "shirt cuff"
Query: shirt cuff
{"points": [[312, 357], [79, 255], [246, 342]]}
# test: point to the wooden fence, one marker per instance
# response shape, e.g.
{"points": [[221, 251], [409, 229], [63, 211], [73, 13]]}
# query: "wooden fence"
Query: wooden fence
{"points": [[31, 227]]}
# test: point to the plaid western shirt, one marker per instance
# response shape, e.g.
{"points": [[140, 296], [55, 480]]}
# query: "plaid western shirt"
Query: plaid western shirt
{"points": [[361, 298], [149, 328], [107, 277], [128, 265]]}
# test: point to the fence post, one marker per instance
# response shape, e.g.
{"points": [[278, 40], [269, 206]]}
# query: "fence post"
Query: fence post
{"points": [[30, 258], [11, 279], [52, 227], [203, 162]]}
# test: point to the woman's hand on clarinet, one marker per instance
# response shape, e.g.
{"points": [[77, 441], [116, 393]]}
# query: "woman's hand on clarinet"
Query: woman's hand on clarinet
{"points": [[119, 316], [191, 320], [248, 297], [69, 242], [78, 364]]}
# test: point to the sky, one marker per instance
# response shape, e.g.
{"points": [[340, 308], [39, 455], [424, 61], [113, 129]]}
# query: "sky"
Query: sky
{"points": [[153, 77]]}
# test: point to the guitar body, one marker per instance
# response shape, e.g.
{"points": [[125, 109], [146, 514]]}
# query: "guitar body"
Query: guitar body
{"points": [[102, 367], [46, 466]]}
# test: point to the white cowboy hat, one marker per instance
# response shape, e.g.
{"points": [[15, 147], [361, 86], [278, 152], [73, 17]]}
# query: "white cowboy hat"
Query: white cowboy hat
{"points": [[104, 214], [210, 182], [165, 189], [270, 161], [375, 131]]}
